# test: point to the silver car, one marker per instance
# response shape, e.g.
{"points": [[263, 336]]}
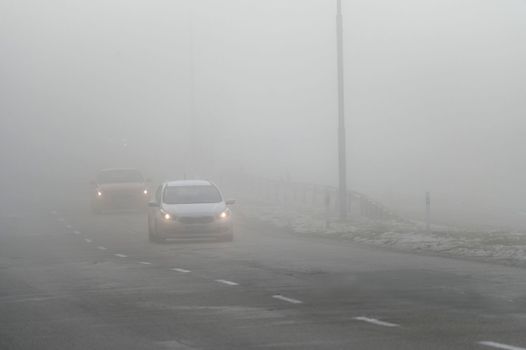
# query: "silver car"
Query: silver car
{"points": [[189, 209]]}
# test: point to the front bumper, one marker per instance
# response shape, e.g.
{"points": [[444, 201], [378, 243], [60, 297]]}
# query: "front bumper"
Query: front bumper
{"points": [[176, 229], [110, 201]]}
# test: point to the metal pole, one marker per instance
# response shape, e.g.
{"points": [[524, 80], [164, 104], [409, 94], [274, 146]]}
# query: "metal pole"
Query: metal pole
{"points": [[192, 143], [342, 161]]}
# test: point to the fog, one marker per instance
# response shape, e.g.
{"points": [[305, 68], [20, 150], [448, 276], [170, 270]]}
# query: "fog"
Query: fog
{"points": [[434, 96]]}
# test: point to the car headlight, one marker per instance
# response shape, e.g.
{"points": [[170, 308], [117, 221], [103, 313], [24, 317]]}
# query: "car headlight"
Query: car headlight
{"points": [[145, 192], [225, 214], [99, 193], [166, 216]]}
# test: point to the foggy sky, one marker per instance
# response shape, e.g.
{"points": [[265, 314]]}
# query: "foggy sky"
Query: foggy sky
{"points": [[435, 93]]}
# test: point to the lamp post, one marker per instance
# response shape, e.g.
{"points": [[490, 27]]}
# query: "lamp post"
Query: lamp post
{"points": [[342, 161]]}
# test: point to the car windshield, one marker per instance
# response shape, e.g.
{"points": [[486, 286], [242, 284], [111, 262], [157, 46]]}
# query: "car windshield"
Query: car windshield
{"points": [[191, 194], [119, 176]]}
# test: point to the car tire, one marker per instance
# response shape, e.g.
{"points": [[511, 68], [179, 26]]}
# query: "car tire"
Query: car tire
{"points": [[96, 210], [229, 236], [154, 239], [152, 234]]}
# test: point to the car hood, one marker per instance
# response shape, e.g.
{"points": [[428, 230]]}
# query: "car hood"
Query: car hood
{"points": [[122, 187], [194, 210]]}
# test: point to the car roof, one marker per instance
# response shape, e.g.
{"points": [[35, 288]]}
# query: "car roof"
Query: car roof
{"points": [[188, 183]]}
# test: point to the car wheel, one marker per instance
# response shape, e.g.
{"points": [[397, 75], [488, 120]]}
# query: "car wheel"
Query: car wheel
{"points": [[153, 238], [229, 236], [152, 234], [96, 210]]}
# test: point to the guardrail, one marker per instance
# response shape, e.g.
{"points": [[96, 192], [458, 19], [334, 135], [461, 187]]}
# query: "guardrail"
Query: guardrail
{"points": [[309, 196]]}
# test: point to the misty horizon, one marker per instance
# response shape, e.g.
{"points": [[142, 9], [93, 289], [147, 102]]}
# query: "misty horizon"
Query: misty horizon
{"points": [[434, 95]]}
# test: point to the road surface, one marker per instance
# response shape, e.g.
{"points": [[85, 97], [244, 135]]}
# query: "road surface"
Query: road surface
{"points": [[72, 280]]}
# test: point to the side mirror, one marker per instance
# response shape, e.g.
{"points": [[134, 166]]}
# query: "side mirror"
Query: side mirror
{"points": [[230, 202], [153, 205]]}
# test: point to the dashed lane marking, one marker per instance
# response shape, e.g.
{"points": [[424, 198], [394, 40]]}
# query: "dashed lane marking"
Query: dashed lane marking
{"points": [[69, 227], [76, 232], [145, 262], [375, 321], [61, 220], [496, 345], [101, 248], [121, 255], [289, 300], [87, 240], [229, 283], [181, 270]]}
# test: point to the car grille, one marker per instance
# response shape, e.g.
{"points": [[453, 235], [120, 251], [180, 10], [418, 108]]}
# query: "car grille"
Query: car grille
{"points": [[196, 220], [122, 200]]}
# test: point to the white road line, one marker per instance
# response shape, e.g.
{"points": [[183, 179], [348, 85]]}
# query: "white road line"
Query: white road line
{"points": [[60, 219], [145, 262], [230, 283], [375, 321], [495, 345], [121, 255], [76, 232], [181, 270], [69, 227], [88, 240], [54, 212], [101, 248], [289, 300]]}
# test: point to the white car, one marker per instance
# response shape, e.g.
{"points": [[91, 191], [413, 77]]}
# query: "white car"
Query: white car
{"points": [[189, 209]]}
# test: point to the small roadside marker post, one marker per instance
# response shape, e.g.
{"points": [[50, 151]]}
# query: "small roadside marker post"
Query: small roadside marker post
{"points": [[428, 212], [327, 209]]}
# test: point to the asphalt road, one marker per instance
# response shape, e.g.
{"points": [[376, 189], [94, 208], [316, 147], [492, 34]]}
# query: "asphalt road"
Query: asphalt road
{"points": [[71, 280]]}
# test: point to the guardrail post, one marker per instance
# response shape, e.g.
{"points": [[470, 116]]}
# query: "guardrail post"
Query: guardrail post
{"points": [[327, 208]]}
